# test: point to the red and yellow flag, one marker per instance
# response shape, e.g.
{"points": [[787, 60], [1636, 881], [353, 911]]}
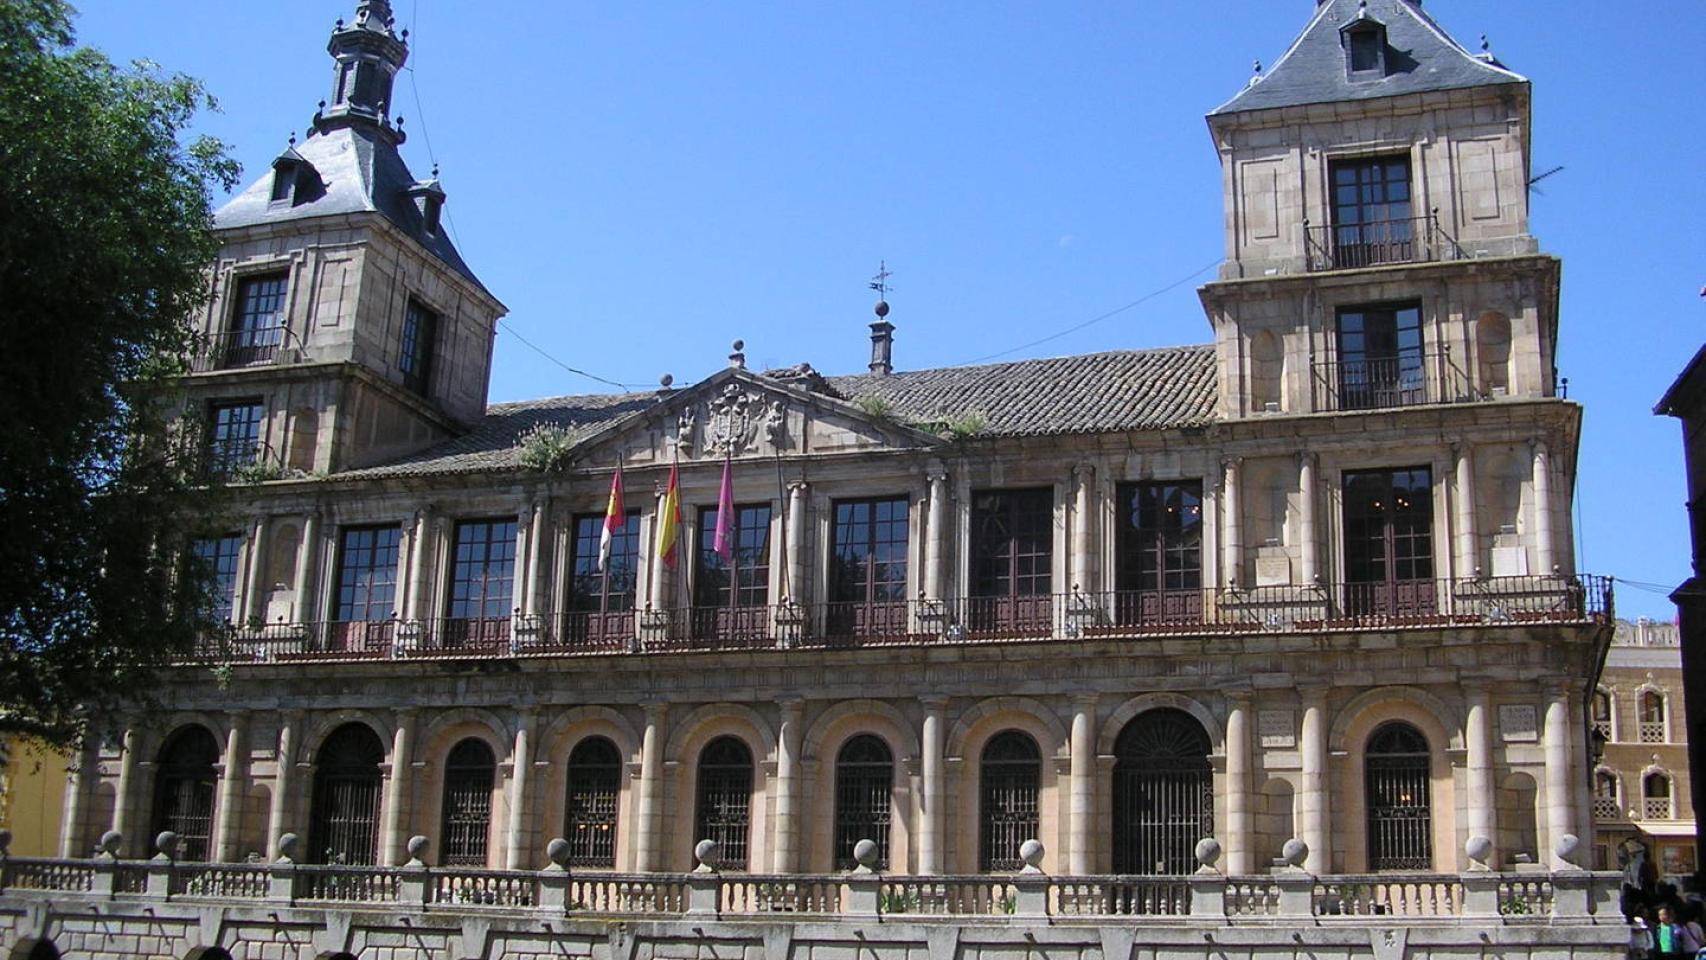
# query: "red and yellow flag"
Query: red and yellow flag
{"points": [[615, 516], [669, 527]]}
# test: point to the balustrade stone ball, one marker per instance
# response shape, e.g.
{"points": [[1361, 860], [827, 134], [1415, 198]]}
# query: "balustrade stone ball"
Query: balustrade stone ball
{"points": [[111, 842], [1208, 851], [865, 851], [1295, 852], [1031, 851], [418, 847], [288, 844], [558, 851], [709, 853], [1566, 847], [1479, 849], [167, 843]]}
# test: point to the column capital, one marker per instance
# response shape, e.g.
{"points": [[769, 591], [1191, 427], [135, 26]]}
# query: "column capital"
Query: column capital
{"points": [[934, 702], [1305, 458], [792, 707], [1537, 446], [1085, 701], [1242, 696], [798, 486], [655, 710], [1313, 695], [1231, 462]]}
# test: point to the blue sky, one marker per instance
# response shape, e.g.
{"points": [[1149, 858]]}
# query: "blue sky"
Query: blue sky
{"points": [[643, 182]]}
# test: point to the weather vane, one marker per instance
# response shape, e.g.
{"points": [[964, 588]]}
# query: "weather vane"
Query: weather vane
{"points": [[880, 282]]}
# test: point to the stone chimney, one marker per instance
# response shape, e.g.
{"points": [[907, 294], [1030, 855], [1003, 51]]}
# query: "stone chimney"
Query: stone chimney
{"points": [[882, 341]]}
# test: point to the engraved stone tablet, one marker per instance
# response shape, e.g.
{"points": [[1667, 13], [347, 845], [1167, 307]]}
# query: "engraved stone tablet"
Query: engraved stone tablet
{"points": [[1276, 728], [1518, 722]]}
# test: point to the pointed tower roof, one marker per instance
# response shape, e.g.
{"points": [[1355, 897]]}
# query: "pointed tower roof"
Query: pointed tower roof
{"points": [[1419, 56]]}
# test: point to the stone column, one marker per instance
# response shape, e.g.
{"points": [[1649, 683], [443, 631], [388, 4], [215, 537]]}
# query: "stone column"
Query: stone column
{"points": [[535, 552], [788, 787], [419, 590], [1083, 555], [796, 542], [522, 585], [1544, 557], [395, 836], [1238, 822], [1080, 859], [521, 765], [1478, 742], [1306, 527], [1231, 528], [1560, 804], [647, 859], [124, 809], [307, 568], [81, 775], [231, 782], [936, 556], [1468, 546], [930, 836], [660, 596], [1313, 799], [254, 584], [278, 817]]}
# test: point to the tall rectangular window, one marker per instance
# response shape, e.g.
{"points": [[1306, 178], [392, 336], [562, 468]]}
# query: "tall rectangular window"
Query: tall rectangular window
{"points": [[257, 325], [1372, 221], [367, 574], [234, 435], [867, 573], [1380, 357], [1158, 574], [1012, 559], [482, 586], [731, 597], [219, 557], [601, 602], [420, 331], [1389, 542]]}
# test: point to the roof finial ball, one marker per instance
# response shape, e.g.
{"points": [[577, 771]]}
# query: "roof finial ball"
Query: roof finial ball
{"points": [[666, 381], [881, 309], [737, 358]]}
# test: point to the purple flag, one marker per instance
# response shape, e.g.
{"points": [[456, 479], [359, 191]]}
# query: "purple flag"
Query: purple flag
{"points": [[724, 542]]}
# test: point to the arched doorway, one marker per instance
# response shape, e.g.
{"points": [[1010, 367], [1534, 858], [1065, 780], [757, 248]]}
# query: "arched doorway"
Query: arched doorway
{"points": [[1399, 799], [1163, 793], [184, 789], [595, 775], [725, 799], [864, 780], [344, 827], [1011, 778], [469, 774]]}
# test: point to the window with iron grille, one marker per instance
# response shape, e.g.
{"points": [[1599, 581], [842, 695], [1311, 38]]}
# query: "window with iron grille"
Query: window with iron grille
{"points": [[482, 583], [344, 821], [1163, 793], [1380, 357], [724, 808], [595, 776], [1397, 793], [867, 573], [469, 773], [1601, 712], [1158, 572], [218, 556], [420, 333], [1372, 221], [610, 589], [1389, 543], [367, 574], [1652, 717], [1010, 775], [257, 324], [1655, 797], [864, 784], [234, 435], [184, 790], [1605, 796]]}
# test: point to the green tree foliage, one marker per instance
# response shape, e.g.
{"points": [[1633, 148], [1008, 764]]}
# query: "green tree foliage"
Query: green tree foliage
{"points": [[105, 233]]}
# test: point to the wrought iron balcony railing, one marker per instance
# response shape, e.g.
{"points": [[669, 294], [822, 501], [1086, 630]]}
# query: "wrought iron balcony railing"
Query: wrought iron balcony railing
{"points": [[241, 347], [1353, 246], [1374, 383]]}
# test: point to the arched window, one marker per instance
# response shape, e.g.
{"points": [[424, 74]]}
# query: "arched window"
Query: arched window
{"points": [[1163, 793], [864, 780], [1602, 713], [1652, 716], [1606, 805], [1655, 796], [346, 797], [469, 773], [1397, 791], [1011, 773], [595, 773], [725, 799], [184, 790]]}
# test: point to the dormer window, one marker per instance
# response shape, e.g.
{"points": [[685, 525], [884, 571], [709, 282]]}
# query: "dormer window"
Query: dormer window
{"points": [[428, 197], [429, 213], [283, 182], [294, 179], [1365, 48]]}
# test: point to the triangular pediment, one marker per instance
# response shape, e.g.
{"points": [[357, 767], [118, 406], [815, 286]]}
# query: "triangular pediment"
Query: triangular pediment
{"points": [[747, 416]]}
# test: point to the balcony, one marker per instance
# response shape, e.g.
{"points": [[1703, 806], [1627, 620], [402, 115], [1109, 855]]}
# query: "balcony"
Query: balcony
{"points": [[242, 347], [1116, 615], [1378, 243], [1376, 383]]}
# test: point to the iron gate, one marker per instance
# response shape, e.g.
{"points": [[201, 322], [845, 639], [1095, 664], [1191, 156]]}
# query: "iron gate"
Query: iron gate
{"points": [[864, 778], [1163, 793], [595, 770], [1011, 772], [344, 828], [468, 778], [1400, 811], [725, 799]]}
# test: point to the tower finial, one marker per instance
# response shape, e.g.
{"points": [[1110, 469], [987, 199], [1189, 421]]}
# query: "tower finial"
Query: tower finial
{"points": [[882, 331]]}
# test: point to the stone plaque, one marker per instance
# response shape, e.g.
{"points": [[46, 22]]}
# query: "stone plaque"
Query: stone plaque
{"points": [[1518, 722], [1273, 571], [1276, 728]]}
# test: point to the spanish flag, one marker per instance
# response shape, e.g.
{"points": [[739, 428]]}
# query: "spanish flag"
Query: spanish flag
{"points": [[669, 525], [615, 516]]}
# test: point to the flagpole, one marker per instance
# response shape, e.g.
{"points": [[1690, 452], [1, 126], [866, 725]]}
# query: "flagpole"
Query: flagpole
{"points": [[782, 498]]}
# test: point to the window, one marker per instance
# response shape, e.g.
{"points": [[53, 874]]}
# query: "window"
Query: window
{"points": [[1380, 357], [1601, 713], [1652, 716], [864, 780], [1605, 796], [366, 600], [219, 558], [257, 327], [595, 772], [725, 799], [1389, 543], [1396, 789], [467, 805], [482, 581], [420, 331], [1365, 51], [1655, 797], [867, 573], [1011, 775], [601, 603], [1163, 793], [234, 435], [1012, 559], [731, 599], [184, 790], [1372, 221], [345, 811], [1158, 573]]}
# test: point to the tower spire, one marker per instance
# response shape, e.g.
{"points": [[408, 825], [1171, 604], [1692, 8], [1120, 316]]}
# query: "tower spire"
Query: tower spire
{"points": [[366, 56]]}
